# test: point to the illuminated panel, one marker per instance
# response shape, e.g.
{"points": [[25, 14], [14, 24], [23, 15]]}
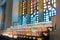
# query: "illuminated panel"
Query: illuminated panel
{"points": [[34, 16], [35, 6], [25, 7], [28, 6], [32, 6], [24, 20], [45, 5], [55, 3], [40, 6], [49, 9], [21, 8], [28, 17], [32, 10]]}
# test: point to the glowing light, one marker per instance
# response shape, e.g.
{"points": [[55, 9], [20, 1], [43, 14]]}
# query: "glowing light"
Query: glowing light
{"points": [[48, 2], [44, 1], [55, 5], [49, 7]]}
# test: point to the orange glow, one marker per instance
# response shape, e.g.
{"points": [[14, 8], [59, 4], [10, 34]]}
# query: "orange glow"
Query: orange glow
{"points": [[39, 39]]}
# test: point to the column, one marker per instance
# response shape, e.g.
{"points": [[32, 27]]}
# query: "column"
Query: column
{"points": [[15, 12], [8, 15]]}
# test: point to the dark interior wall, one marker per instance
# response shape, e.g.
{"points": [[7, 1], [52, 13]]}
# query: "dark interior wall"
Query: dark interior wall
{"points": [[57, 32], [8, 14]]}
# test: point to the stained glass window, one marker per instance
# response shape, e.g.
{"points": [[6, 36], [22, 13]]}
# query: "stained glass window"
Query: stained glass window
{"points": [[49, 9], [37, 10], [24, 20]]}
